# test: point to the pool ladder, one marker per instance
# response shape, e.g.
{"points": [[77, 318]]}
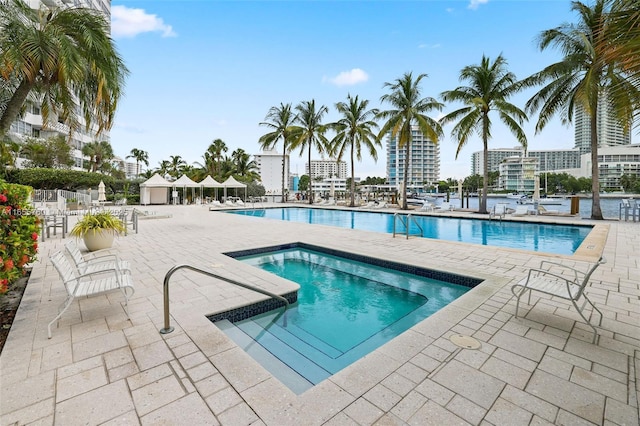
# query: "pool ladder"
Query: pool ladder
{"points": [[406, 220], [167, 326]]}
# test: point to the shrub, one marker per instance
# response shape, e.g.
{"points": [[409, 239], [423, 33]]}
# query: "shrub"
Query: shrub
{"points": [[19, 231]]}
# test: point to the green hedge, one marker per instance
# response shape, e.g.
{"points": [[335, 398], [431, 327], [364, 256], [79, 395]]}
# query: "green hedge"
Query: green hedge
{"points": [[57, 178]]}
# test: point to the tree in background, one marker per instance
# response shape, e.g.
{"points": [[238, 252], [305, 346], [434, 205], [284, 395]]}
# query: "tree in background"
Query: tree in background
{"points": [[67, 56], [141, 157], [50, 153], [280, 121], [408, 108], [99, 153], [490, 87], [354, 132], [310, 132]]}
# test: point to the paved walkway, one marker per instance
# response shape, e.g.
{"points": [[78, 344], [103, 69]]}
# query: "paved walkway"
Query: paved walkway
{"points": [[100, 368]]}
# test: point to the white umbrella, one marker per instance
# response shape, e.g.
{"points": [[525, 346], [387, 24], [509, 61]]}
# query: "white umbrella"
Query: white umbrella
{"points": [[101, 197], [460, 191]]}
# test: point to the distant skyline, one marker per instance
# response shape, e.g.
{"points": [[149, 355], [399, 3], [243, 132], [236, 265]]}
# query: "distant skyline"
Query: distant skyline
{"points": [[204, 70]]}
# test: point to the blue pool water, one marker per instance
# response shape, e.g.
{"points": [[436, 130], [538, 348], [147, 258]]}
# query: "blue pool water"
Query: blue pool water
{"points": [[548, 238], [345, 309]]}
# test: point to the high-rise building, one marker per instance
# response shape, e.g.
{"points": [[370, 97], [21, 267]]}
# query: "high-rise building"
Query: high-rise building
{"points": [[270, 169], [610, 133], [424, 161], [326, 169], [31, 124]]}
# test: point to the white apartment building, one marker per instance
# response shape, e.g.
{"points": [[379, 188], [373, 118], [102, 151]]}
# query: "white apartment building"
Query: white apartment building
{"points": [[424, 161], [31, 125], [610, 133], [548, 160], [613, 162], [518, 174], [326, 169], [269, 164]]}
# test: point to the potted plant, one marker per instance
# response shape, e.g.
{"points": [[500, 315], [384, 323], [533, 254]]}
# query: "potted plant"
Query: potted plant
{"points": [[98, 230]]}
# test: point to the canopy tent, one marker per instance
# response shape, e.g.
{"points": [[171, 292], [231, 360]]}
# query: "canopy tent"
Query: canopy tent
{"points": [[155, 190], [210, 182], [184, 182], [232, 183]]}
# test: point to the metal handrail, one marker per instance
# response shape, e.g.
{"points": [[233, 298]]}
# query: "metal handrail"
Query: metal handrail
{"points": [[167, 326], [409, 218]]}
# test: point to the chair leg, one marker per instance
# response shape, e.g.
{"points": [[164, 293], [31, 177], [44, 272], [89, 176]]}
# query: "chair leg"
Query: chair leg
{"points": [[66, 306], [595, 332]]}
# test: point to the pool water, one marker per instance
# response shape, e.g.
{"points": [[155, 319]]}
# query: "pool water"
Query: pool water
{"points": [[345, 309], [539, 237]]}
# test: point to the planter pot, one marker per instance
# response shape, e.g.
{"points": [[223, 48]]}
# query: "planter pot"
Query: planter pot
{"points": [[99, 240]]}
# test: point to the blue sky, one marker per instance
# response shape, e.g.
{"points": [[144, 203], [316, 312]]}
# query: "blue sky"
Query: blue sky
{"points": [[207, 69]]}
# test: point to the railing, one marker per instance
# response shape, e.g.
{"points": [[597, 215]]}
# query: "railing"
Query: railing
{"points": [[406, 220], [167, 326]]}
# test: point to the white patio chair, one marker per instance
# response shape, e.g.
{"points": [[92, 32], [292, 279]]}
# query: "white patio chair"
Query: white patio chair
{"points": [[560, 281], [521, 210], [89, 284], [499, 210], [96, 261], [427, 207]]}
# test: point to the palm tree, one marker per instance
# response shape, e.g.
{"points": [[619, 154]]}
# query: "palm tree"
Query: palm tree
{"points": [[244, 166], [311, 131], [280, 122], [587, 74], [354, 131], [99, 153], [408, 109], [217, 149], [65, 54], [625, 26], [163, 168], [490, 86], [141, 157], [176, 166]]}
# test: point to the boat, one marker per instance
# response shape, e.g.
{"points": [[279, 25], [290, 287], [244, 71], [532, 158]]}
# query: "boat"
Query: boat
{"points": [[541, 201], [516, 196]]}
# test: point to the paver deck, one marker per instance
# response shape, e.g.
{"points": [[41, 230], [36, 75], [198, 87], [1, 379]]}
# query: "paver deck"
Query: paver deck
{"points": [[100, 368]]}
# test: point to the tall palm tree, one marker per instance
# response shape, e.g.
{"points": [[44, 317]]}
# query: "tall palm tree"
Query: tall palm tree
{"points": [[140, 156], [217, 150], [354, 132], [408, 109], [490, 86], [280, 121], [587, 74], [310, 132], [64, 54]]}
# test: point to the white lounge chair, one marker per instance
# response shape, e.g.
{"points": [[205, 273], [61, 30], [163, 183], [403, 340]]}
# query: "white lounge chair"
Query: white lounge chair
{"points": [[229, 202], [498, 210], [445, 206], [369, 205], [521, 210], [560, 281], [239, 202], [380, 205], [95, 261], [427, 207], [89, 284]]}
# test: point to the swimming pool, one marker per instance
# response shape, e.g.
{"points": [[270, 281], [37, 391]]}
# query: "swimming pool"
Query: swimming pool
{"points": [[347, 306], [540, 237]]}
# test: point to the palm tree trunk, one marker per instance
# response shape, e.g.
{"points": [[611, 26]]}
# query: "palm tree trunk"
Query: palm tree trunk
{"points": [[353, 178], [309, 191], [596, 212], [405, 205], [14, 105], [485, 174], [284, 161]]}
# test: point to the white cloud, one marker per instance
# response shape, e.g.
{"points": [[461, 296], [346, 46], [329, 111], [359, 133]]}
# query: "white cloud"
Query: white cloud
{"points": [[449, 9], [474, 4], [348, 78], [429, 46], [127, 22]]}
